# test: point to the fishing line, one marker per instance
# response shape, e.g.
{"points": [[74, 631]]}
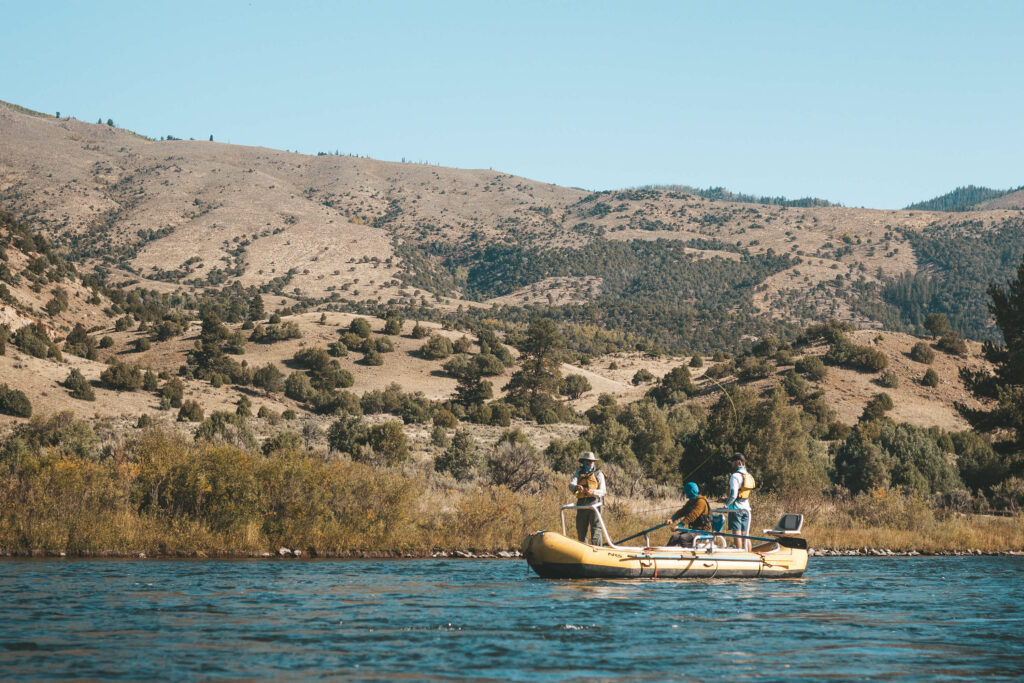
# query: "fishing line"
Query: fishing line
{"points": [[734, 417]]}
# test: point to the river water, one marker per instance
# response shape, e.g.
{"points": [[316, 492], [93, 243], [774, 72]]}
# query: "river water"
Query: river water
{"points": [[848, 618]]}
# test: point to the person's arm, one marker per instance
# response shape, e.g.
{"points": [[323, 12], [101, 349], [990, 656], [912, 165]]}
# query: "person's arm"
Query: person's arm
{"points": [[601, 488], [572, 483], [735, 479], [682, 512], [691, 516]]}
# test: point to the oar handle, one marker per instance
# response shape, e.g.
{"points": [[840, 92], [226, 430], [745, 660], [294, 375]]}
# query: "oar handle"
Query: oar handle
{"points": [[641, 533]]}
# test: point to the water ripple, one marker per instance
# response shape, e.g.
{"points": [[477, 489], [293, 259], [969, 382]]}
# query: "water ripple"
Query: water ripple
{"points": [[849, 618]]}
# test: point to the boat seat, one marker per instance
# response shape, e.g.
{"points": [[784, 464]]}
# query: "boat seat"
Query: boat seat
{"points": [[789, 524]]}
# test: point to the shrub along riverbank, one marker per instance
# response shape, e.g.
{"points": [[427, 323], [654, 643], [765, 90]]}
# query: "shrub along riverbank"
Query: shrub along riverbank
{"points": [[162, 494]]}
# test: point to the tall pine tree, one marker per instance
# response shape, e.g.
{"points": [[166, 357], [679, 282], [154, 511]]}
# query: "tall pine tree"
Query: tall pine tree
{"points": [[1006, 384]]}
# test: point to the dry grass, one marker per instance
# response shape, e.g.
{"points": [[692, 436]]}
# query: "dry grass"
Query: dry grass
{"points": [[163, 494]]}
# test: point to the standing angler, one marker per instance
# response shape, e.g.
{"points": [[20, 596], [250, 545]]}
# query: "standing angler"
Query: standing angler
{"points": [[589, 486], [741, 483]]}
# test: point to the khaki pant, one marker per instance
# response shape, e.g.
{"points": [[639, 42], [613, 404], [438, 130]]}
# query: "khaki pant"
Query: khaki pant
{"points": [[587, 528]]}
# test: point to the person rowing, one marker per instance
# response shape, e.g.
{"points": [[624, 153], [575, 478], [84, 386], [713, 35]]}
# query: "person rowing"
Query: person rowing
{"points": [[695, 514]]}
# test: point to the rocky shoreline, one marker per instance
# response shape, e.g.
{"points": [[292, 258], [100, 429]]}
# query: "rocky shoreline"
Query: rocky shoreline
{"points": [[885, 552]]}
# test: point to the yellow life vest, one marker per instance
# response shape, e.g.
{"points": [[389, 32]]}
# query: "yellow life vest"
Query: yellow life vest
{"points": [[746, 486], [587, 480]]}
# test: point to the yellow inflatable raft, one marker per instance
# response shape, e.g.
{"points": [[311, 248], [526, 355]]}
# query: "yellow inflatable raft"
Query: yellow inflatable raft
{"points": [[555, 556]]}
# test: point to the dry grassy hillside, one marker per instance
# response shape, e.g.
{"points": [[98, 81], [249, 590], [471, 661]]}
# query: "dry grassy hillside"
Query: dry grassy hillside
{"points": [[197, 212], [178, 216]]}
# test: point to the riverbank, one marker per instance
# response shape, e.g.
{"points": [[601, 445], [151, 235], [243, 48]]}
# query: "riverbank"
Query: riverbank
{"points": [[162, 496]]}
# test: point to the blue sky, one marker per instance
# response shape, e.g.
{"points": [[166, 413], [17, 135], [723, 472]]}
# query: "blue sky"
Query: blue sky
{"points": [[866, 103]]}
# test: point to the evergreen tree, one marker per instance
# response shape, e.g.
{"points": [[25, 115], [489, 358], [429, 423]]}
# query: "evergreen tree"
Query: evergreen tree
{"points": [[1006, 384], [540, 370]]}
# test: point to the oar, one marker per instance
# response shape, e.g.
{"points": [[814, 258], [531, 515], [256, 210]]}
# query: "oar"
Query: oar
{"points": [[640, 533], [784, 541]]}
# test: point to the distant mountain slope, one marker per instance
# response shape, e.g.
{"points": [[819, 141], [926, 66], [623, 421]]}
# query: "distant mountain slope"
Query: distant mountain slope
{"points": [[969, 198], [353, 233], [724, 195]]}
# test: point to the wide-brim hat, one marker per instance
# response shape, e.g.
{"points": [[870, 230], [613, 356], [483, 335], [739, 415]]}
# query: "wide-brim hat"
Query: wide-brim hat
{"points": [[588, 456]]}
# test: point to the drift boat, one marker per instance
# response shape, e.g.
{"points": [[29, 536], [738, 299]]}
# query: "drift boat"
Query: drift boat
{"points": [[782, 553]]}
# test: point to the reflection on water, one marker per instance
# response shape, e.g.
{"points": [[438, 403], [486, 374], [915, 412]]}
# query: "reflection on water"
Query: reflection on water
{"points": [[853, 618]]}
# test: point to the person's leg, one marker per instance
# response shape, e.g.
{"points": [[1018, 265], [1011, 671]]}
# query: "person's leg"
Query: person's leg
{"points": [[595, 531], [742, 527], [747, 530], [736, 527], [582, 525]]}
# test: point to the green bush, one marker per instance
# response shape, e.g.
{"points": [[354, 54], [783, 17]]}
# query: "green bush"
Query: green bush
{"points": [[574, 386], [297, 387], [106, 342], [886, 455], [244, 407], [337, 349], [330, 403], [877, 406], [141, 344], [888, 379], [419, 331], [922, 353], [445, 418], [676, 386], [437, 347], [642, 376], [285, 440], [35, 341], [121, 376], [439, 437], [269, 378], [79, 343], [228, 428], [812, 367], [393, 323], [275, 333], [361, 327], [501, 414], [462, 458], [173, 391], [78, 386], [753, 368], [347, 434], [372, 358], [930, 378], [952, 344], [190, 411], [14, 402], [845, 353]]}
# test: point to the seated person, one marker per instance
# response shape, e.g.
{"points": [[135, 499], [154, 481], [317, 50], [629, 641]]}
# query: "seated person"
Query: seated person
{"points": [[696, 514]]}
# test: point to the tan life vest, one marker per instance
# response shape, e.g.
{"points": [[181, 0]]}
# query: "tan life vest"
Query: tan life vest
{"points": [[746, 486], [587, 480]]}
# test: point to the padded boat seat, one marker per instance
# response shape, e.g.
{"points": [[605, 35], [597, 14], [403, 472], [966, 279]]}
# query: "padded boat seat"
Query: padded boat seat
{"points": [[788, 525]]}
